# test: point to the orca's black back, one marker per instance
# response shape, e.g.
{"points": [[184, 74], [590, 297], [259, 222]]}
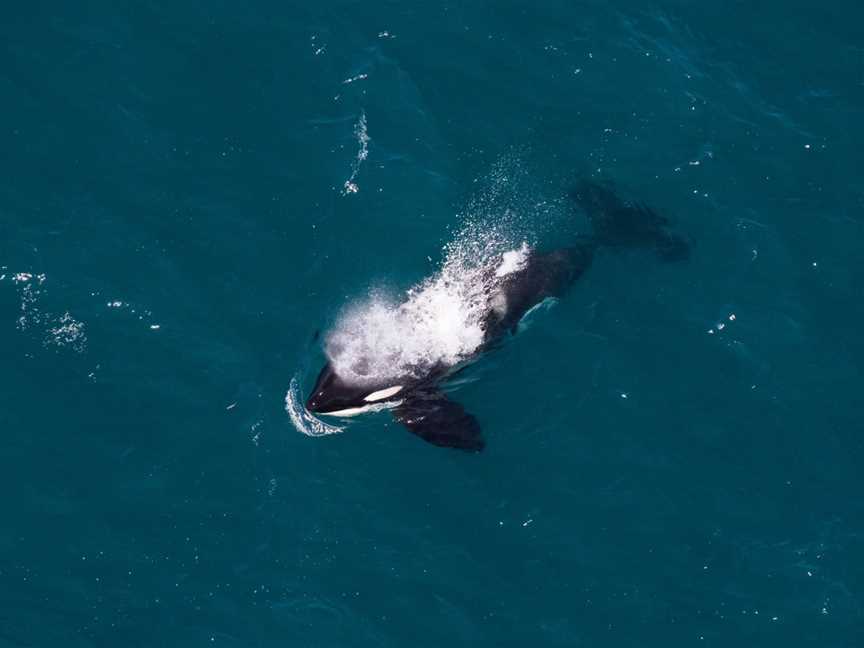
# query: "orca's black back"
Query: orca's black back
{"points": [[546, 274]]}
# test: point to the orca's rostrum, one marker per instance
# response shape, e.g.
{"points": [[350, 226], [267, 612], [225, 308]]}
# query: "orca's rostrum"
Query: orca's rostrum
{"points": [[448, 322]]}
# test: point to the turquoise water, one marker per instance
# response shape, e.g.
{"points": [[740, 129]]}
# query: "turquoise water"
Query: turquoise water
{"points": [[190, 190]]}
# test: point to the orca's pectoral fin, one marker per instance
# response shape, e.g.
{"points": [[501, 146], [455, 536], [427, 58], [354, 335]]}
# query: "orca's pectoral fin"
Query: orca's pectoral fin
{"points": [[438, 420]]}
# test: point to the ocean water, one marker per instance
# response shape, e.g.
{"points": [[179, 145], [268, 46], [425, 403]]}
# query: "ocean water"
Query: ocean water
{"points": [[190, 190]]}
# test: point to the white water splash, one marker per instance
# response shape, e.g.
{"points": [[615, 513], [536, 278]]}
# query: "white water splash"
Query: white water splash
{"points": [[358, 77], [138, 312], [362, 134], [61, 331], [513, 261], [30, 313], [67, 332], [300, 416], [438, 322]]}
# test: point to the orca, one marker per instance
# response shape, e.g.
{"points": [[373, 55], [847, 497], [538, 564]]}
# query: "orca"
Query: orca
{"points": [[519, 281]]}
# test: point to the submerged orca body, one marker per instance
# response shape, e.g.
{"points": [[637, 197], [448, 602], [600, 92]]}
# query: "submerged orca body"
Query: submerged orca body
{"points": [[419, 403]]}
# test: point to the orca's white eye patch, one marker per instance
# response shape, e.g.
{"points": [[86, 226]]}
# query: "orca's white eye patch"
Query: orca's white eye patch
{"points": [[383, 393]]}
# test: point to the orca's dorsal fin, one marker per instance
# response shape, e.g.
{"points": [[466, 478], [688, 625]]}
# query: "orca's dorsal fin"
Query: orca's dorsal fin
{"points": [[437, 420]]}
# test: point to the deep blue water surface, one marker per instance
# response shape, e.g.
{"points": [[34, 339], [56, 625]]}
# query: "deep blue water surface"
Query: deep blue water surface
{"points": [[675, 453]]}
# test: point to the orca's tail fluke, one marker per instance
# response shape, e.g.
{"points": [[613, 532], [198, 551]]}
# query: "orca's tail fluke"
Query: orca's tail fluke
{"points": [[617, 223]]}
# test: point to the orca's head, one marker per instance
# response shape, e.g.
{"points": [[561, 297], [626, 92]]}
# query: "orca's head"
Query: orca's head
{"points": [[337, 397]]}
